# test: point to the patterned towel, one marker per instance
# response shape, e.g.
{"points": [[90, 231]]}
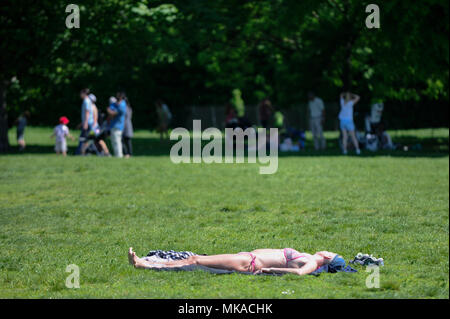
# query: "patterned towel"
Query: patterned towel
{"points": [[170, 254]]}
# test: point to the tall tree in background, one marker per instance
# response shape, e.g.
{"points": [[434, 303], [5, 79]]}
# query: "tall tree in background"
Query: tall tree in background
{"points": [[27, 32], [198, 51]]}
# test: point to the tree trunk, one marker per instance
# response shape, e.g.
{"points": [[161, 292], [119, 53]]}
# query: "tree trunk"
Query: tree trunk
{"points": [[4, 141], [348, 27], [347, 73]]}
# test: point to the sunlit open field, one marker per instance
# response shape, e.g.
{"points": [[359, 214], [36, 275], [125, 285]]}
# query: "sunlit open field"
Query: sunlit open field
{"points": [[87, 211]]}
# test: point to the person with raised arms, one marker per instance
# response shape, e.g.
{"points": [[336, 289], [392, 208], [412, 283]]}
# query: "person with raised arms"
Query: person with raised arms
{"points": [[348, 101]]}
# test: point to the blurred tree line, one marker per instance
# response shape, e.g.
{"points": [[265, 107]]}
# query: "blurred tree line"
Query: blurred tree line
{"points": [[196, 52]]}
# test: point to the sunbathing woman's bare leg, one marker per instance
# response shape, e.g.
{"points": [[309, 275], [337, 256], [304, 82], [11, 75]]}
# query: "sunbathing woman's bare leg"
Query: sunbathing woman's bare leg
{"points": [[237, 262], [136, 261]]}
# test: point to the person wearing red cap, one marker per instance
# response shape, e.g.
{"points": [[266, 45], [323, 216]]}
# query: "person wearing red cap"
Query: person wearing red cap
{"points": [[60, 133]]}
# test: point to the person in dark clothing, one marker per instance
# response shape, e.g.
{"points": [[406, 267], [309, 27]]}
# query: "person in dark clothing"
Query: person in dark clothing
{"points": [[265, 112], [128, 132], [21, 124]]}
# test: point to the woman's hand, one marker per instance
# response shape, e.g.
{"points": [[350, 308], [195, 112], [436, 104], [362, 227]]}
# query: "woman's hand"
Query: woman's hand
{"points": [[263, 270]]}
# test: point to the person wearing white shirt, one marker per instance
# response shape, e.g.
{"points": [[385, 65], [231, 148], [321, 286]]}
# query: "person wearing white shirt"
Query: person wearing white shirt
{"points": [[348, 101], [316, 118], [373, 119], [60, 133]]}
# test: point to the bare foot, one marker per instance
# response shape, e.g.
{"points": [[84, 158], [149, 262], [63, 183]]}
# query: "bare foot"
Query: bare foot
{"points": [[132, 258], [136, 261]]}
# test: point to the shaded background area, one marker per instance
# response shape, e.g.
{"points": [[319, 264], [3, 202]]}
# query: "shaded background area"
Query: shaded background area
{"points": [[419, 143], [195, 52]]}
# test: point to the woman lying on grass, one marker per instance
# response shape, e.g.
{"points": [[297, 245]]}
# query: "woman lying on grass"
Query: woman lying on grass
{"points": [[278, 261]]}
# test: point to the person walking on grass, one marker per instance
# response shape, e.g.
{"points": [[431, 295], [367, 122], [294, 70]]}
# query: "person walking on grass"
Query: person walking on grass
{"points": [[128, 132], [316, 119], [87, 120], [117, 113], [348, 101], [21, 123], [278, 261], [60, 133], [95, 126], [164, 117]]}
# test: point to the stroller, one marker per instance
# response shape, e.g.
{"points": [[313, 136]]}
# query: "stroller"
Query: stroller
{"points": [[98, 133]]}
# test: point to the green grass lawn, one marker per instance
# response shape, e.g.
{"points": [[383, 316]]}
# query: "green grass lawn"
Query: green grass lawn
{"points": [[87, 211]]}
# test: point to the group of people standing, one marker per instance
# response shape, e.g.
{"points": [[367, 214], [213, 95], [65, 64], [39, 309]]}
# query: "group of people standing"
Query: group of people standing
{"points": [[270, 117], [316, 109], [115, 123], [96, 127]]}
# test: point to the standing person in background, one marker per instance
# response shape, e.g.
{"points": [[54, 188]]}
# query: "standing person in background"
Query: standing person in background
{"points": [[95, 126], [164, 117], [87, 120], [103, 124], [265, 112], [60, 133], [128, 131], [231, 119], [21, 122], [117, 112], [348, 101], [316, 120], [278, 119]]}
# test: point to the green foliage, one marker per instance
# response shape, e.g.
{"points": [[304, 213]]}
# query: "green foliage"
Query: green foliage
{"points": [[197, 51]]}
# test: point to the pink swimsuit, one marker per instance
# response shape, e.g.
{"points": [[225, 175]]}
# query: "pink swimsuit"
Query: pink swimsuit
{"points": [[291, 254], [253, 259]]}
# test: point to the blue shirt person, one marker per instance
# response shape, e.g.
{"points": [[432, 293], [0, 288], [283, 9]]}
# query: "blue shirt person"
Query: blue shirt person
{"points": [[120, 110], [87, 110]]}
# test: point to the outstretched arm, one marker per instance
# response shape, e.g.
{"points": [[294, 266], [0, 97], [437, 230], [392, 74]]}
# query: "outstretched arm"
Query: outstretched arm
{"points": [[356, 98], [308, 268]]}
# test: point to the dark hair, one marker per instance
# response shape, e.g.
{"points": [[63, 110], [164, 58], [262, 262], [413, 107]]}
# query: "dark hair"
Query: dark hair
{"points": [[159, 102], [121, 95], [85, 91]]}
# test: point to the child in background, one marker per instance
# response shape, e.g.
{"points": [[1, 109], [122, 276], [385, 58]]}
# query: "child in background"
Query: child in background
{"points": [[21, 124], [61, 131]]}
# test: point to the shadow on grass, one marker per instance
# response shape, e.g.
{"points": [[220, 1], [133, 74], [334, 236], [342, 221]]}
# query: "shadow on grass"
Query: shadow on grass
{"points": [[417, 147]]}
